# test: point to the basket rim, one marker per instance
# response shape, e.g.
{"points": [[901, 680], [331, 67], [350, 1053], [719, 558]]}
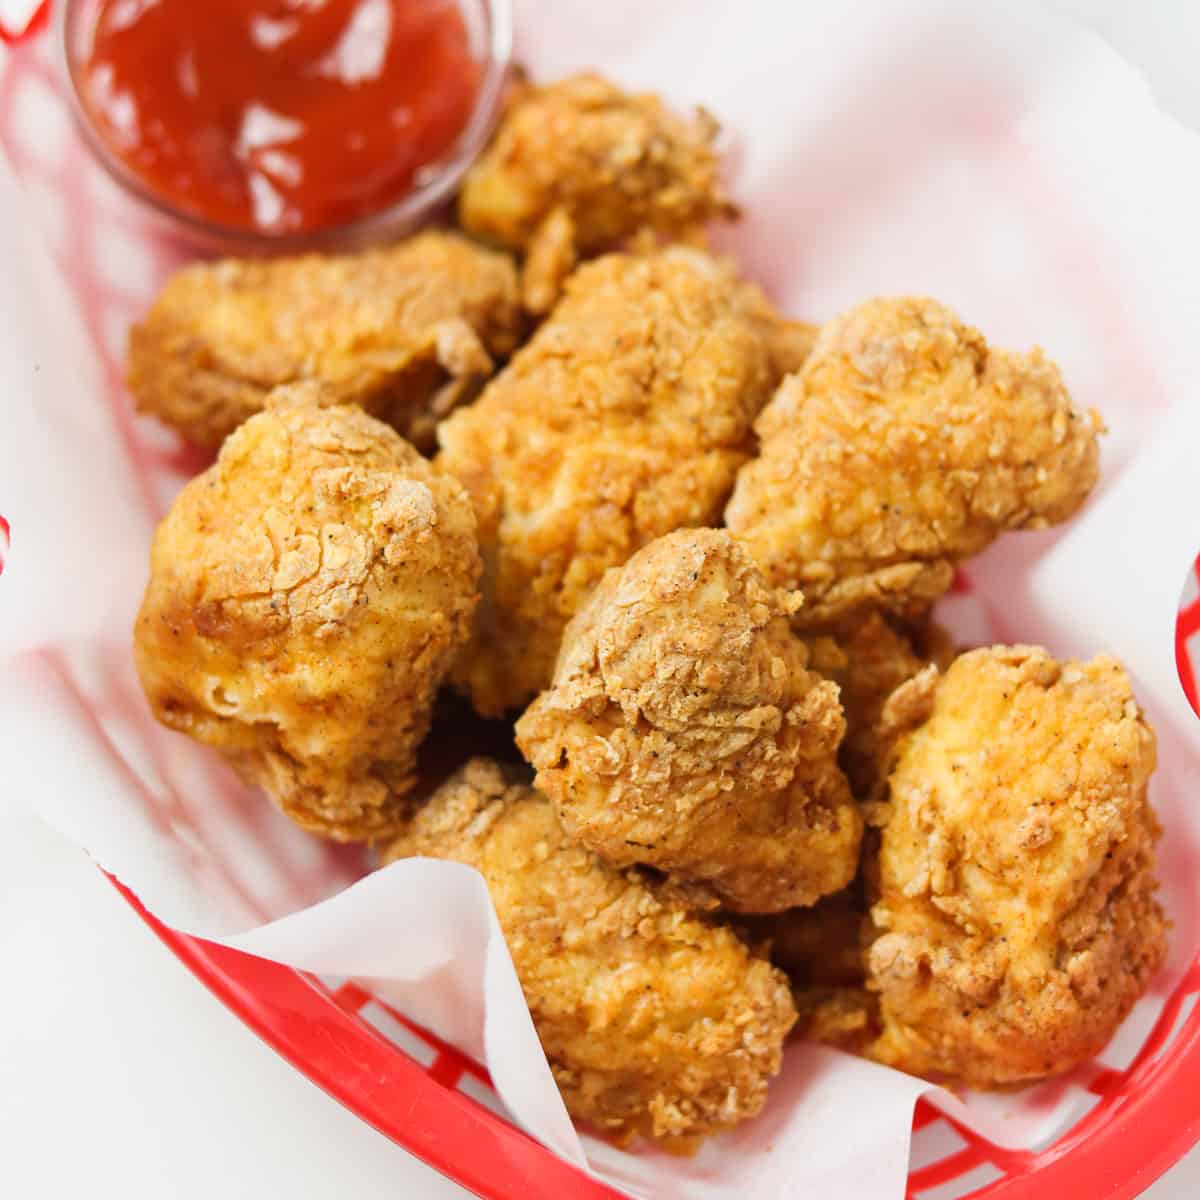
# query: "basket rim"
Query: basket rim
{"points": [[362, 1070], [485, 1154], [38, 20], [1142, 1135]]}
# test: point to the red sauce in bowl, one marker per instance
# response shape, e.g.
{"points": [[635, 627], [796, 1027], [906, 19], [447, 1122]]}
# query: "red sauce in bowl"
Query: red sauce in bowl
{"points": [[280, 116]]}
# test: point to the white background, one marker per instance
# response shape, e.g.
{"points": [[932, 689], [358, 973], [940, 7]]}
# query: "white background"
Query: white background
{"points": [[121, 1076]]}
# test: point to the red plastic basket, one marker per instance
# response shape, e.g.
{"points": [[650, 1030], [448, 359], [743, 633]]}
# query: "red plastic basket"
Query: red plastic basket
{"points": [[1145, 1118], [430, 1099], [1187, 638]]}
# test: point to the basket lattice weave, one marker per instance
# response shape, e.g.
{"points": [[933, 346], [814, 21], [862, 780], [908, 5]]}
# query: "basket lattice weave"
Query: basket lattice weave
{"points": [[414, 1088]]}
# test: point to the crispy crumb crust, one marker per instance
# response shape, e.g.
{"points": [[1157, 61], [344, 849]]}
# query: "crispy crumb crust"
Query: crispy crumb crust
{"points": [[822, 949], [821, 945], [306, 596], [868, 659], [626, 416], [406, 332], [657, 1021], [579, 167], [903, 446], [683, 730], [1015, 889]]}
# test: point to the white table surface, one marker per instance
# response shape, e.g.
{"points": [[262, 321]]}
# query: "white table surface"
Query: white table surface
{"points": [[121, 1076]]}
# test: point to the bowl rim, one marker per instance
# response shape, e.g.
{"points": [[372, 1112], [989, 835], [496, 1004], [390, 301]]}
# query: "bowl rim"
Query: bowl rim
{"points": [[398, 217]]}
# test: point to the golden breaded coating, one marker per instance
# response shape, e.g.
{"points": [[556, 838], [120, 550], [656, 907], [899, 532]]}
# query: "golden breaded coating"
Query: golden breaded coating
{"points": [[819, 946], [579, 167], [552, 256], [684, 731], [845, 1017], [868, 660], [625, 417], [790, 342], [406, 332], [656, 1021], [822, 949], [1016, 892], [307, 594], [903, 446]]}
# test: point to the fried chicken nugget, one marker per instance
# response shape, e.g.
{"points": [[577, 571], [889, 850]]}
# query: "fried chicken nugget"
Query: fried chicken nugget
{"points": [[579, 167], [822, 950], [406, 332], [821, 945], [684, 731], [868, 660], [903, 446], [307, 593], [626, 416], [789, 342], [656, 1020], [1016, 890]]}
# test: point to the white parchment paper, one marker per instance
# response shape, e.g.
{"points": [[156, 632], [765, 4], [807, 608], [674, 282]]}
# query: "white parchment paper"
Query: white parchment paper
{"points": [[1006, 163]]}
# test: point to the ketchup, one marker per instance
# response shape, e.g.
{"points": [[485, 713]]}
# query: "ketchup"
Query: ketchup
{"points": [[280, 116]]}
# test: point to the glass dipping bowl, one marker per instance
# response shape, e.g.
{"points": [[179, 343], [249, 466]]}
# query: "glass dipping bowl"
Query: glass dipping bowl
{"points": [[489, 25]]}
